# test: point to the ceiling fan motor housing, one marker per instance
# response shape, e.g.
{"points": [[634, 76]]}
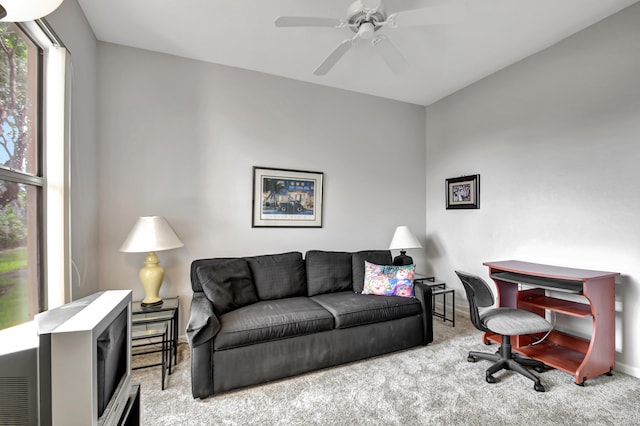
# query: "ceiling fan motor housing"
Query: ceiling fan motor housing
{"points": [[358, 15]]}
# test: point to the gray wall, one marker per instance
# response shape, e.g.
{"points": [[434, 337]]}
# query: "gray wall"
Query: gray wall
{"points": [[70, 24], [555, 140], [178, 138]]}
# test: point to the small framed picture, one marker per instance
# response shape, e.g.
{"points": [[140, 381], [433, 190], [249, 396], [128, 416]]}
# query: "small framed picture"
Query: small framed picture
{"points": [[286, 198], [463, 192]]}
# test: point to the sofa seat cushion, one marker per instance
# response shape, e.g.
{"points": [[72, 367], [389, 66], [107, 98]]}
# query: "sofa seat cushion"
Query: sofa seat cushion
{"points": [[271, 320], [352, 309]]}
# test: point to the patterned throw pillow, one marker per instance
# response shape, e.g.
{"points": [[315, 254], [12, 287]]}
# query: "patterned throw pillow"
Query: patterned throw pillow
{"points": [[388, 280]]}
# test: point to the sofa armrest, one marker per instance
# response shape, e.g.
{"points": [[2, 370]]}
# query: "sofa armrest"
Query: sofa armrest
{"points": [[203, 323], [423, 294], [202, 328]]}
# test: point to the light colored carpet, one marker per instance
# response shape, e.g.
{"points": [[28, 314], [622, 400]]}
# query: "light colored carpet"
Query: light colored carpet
{"points": [[427, 385]]}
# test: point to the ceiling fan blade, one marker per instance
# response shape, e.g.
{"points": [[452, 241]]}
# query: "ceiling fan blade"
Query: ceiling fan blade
{"points": [[447, 13], [334, 57], [370, 4], [304, 21], [390, 54]]}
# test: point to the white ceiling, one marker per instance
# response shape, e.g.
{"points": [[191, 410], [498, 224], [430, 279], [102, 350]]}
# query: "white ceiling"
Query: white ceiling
{"points": [[490, 35]]}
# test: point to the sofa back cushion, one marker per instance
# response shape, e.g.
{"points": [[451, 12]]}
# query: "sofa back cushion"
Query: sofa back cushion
{"points": [[328, 272], [380, 257], [277, 276], [227, 283], [196, 285]]}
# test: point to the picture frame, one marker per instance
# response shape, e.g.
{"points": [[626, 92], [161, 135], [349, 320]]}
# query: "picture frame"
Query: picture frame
{"points": [[286, 198], [463, 192]]}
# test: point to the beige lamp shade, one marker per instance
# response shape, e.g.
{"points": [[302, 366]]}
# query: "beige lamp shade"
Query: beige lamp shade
{"points": [[403, 239], [151, 234], [26, 10]]}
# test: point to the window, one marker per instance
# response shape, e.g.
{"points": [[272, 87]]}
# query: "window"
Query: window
{"points": [[26, 66]]}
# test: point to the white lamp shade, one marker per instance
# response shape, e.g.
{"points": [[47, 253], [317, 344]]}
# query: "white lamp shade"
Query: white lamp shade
{"points": [[27, 10], [151, 233], [403, 239]]}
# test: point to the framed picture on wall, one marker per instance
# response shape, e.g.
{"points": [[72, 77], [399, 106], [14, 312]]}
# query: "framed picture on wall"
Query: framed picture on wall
{"points": [[286, 198], [463, 192]]}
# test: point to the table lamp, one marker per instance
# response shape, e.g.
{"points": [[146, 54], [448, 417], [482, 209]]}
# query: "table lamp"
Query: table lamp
{"points": [[403, 239], [151, 233]]}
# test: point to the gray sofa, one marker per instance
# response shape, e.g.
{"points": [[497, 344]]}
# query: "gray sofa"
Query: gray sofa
{"points": [[262, 318]]}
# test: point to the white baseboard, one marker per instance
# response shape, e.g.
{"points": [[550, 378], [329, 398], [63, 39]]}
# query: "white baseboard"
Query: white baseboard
{"points": [[627, 369]]}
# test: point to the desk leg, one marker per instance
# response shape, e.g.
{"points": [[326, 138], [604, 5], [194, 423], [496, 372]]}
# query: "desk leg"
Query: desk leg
{"points": [[601, 354]]}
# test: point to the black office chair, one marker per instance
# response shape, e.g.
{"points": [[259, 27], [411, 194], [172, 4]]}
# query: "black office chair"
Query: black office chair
{"points": [[506, 322]]}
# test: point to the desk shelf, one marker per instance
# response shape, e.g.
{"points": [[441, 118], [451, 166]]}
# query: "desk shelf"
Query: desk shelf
{"points": [[566, 307], [555, 351]]}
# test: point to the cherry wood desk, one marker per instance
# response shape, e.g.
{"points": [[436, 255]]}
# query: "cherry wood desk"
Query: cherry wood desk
{"points": [[523, 285]]}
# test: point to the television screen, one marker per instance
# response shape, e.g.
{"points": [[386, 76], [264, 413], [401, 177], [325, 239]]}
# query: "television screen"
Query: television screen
{"points": [[112, 359]]}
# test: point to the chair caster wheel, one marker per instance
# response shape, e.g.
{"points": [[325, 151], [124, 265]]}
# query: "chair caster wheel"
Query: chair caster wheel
{"points": [[538, 387], [490, 379], [471, 358]]}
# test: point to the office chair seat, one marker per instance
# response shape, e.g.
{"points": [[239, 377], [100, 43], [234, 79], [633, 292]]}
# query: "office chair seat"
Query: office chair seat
{"points": [[506, 322], [514, 322]]}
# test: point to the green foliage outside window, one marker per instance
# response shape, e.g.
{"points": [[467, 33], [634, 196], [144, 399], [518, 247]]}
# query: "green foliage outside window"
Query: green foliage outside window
{"points": [[17, 138]]}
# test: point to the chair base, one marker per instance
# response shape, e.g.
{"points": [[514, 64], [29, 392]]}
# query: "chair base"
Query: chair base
{"points": [[505, 359]]}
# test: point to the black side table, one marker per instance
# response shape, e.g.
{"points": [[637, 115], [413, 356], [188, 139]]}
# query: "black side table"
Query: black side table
{"points": [[439, 288], [144, 335], [169, 311]]}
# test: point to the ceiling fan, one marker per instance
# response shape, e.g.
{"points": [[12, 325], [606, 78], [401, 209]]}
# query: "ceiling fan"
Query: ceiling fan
{"points": [[365, 18]]}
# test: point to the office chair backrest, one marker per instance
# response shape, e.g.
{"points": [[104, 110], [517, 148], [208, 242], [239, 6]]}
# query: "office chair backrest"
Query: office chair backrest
{"points": [[479, 295]]}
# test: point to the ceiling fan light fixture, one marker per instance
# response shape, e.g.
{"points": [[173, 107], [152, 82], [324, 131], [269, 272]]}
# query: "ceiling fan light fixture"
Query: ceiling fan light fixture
{"points": [[365, 18], [365, 30], [26, 10]]}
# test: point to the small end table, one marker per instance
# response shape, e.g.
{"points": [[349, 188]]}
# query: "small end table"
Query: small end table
{"points": [[150, 332], [168, 311], [149, 319], [439, 288]]}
